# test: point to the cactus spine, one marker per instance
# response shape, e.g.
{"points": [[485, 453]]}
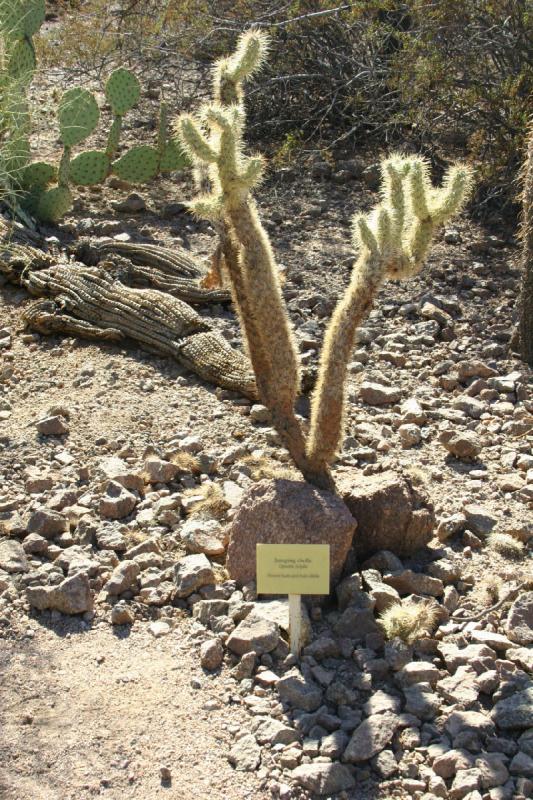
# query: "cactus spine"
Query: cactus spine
{"points": [[392, 243]]}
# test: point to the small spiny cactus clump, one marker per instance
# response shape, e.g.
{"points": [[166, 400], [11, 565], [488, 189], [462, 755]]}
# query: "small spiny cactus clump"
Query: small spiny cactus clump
{"points": [[207, 501], [392, 242], [506, 545], [409, 621]]}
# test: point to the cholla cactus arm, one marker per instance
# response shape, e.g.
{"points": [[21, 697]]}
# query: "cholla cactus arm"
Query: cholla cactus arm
{"points": [[194, 140], [394, 171], [229, 73], [453, 195], [392, 241], [432, 207], [327, 408], [251, 268]]}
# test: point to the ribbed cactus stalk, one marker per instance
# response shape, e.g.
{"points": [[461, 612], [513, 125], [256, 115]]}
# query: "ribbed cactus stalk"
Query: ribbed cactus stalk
{"points": [[526, 256], [392, 242]]}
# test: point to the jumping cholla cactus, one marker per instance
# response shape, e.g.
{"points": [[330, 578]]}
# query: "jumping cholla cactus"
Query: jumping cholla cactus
{"points": [[78, 116], [392, 242]]}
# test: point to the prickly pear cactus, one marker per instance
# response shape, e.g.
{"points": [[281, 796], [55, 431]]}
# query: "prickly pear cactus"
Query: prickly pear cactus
{"points": [[32, 184], [138, 165], [113, 137], [122, 91], [38, 175], [171, 155], [21, 18], [21, 61], [19, 21], [53, 204]]}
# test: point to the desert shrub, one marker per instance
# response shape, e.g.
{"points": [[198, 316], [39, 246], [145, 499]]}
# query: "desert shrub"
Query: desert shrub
{"points": [[465, 75], [449, 75]]}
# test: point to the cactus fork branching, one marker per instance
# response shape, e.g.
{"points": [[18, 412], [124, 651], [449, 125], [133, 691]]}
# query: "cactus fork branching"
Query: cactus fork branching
{"points": [[392, 242]]}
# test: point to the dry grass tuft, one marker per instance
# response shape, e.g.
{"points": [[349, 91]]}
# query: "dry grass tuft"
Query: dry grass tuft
{"points": [[418, 476], [488, 590], [409, 621], [261, 468], [186, 463], [135, 537], [506, 545], [211, 502]]}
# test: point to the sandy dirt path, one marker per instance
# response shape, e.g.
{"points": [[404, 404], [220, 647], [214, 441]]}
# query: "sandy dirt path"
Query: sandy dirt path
{"points": [[85, 714]]}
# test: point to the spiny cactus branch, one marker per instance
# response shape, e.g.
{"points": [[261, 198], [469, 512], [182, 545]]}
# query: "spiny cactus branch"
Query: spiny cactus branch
{"points": [[327, 408]]}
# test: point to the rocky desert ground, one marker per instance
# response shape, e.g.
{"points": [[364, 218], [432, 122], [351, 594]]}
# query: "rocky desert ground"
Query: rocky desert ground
{"points": [[132, 666]]}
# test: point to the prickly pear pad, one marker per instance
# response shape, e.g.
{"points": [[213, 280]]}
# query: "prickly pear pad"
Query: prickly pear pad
{"points": [[33, 14], [89, 168], [78, 116], [38, 175], [22, 61], [54, 204], [173, 157], [122, 90], [137, 165]]}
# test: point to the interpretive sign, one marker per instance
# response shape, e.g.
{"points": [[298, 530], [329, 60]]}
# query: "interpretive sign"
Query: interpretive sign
{"points": [[293, 569]]}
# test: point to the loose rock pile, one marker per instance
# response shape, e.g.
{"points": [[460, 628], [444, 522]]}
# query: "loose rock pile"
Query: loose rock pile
{"points": [[449, 716], [102, 524]]}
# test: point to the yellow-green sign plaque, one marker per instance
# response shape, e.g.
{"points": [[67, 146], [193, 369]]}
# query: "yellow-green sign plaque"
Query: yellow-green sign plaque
{"points": [[292, 568]]}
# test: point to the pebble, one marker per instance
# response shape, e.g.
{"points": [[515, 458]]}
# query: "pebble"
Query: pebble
{"points": [[211, 654], [461, 444], [52, 426], [375, 394]]}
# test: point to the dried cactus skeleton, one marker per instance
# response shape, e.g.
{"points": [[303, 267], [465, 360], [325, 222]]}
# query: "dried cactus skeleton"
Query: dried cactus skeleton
{"points": [[392, 242], [92, 303], [172, 270]]}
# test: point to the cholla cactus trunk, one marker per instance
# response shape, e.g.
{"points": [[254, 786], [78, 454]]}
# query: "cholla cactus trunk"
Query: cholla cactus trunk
{"points": [[269, 338], [526, 258]]}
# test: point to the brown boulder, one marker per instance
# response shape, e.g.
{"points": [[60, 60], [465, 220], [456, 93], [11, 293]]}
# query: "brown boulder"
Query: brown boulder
{"points": [[391, 513], [72, 596], [287, 512]]}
